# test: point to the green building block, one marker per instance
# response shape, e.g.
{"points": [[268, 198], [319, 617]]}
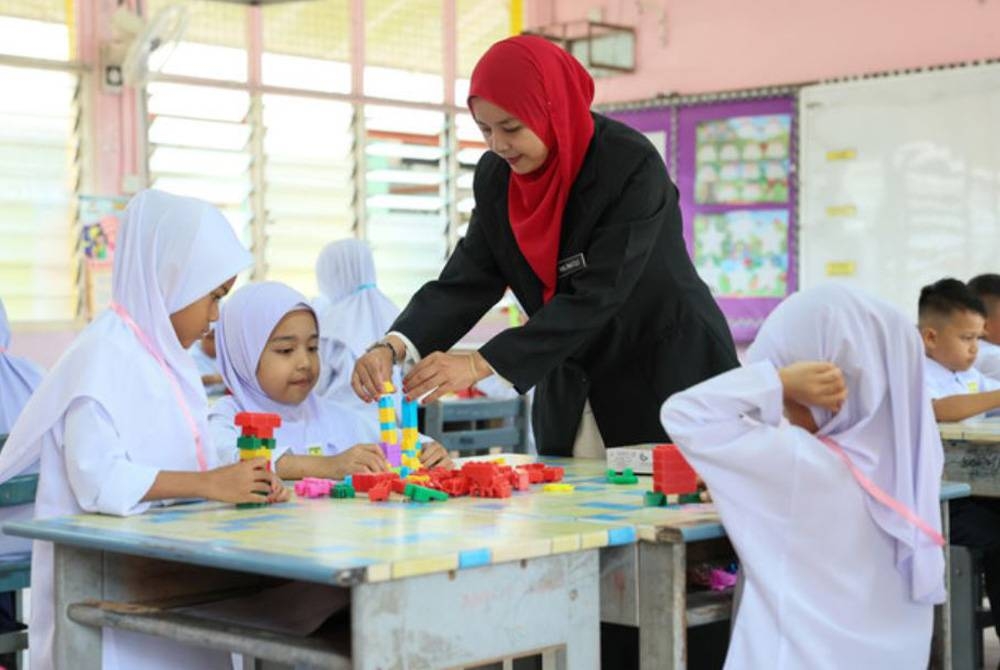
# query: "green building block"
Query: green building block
{"points": [[252, 443], [251, 505], [689, 498], [627, 477], [423, 494], [654, 499], [342, 491]]}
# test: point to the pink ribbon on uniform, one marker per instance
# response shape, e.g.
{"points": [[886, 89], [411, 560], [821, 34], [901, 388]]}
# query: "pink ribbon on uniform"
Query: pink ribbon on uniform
{"points": [[881, 496], [171, 377]]}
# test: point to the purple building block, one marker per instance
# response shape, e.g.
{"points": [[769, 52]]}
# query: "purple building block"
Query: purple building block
{"points": [[393, 453]]}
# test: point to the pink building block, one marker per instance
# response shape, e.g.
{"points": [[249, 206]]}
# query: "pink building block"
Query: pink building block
{"points": [[313, 487]]}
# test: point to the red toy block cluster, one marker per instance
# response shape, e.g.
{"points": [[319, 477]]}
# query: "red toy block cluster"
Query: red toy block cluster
{"points": [[258, 424], [363, 481], [379, 491], [671, 472]]}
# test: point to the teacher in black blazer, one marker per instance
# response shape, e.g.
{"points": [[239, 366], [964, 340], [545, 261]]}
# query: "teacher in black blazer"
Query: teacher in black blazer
{"points": [[576, 214]]}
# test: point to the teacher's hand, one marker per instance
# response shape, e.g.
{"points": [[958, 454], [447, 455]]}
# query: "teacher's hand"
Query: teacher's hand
{"points": [[441, 373], [374, 369]]}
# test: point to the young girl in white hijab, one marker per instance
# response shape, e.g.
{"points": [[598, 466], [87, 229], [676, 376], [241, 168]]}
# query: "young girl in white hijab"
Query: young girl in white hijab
{"points": [[120, 422], [352, 313], [267, 340], [835, 514]]}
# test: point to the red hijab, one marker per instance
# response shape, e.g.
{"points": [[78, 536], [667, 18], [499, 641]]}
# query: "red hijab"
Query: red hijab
{"points": [[548, 90]]}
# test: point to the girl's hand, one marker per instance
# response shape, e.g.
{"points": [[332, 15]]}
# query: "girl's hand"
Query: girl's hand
{"points": [[441, 373], [814, 383], [359, 458], [243, 482], [433, 455], [279, 493]]}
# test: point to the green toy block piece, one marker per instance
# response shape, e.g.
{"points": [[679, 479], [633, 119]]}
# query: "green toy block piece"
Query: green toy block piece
{"points": [[654, 499], [251, 443], [627, 477], [689, 498], [342, 491], [250, 505], [269, 442], [423, 494]]}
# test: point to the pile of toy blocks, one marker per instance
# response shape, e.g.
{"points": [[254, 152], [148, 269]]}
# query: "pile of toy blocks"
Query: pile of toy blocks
{"points": [[674, 480], [256, 441]]}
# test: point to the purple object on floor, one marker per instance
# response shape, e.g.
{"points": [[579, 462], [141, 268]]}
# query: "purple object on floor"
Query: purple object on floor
{"points": [[720, 580]]}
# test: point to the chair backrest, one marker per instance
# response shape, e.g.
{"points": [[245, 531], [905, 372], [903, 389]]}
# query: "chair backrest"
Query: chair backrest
{"points": [[477, 419], [17, 490]]}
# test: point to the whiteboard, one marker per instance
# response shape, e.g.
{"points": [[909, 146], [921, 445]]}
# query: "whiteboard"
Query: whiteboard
{"points": [[899, 181]]}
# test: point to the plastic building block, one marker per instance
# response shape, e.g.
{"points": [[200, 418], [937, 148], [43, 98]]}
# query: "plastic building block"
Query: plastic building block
{"points": [[519, 480], [258, 424], [423, 494], [387, 387], [558, 488], [251, 505], [627, 477], [654, 499], [313, 487], [364, 481], [552, 474], [398, 486], [380, 492], [418, 479], [671, 473], [391, 453], [342, 491]]}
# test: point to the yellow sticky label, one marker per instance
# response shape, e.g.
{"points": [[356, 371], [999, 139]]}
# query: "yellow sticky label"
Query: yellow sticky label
{"points": [[973, 386], [841, 211], [840, 269], [315, 450], [841, 155]]}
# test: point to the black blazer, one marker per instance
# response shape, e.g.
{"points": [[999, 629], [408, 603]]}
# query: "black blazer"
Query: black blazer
{"points": [[632, 327]]}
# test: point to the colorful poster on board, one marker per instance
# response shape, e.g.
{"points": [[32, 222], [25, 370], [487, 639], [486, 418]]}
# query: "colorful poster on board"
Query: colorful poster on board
{"points": [[737, 189], [99, 218]]}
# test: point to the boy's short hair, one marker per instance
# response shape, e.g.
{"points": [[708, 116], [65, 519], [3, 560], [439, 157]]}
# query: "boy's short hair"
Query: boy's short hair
{"points": [[987, 288], [946, 297]]}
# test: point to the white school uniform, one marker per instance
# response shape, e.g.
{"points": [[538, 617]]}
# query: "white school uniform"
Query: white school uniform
{"points": [[988, 360], [833, 578], [107, 419], [352, 313]]}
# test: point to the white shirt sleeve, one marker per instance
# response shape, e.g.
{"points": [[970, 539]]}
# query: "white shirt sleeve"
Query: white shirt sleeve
{"points": [[102, 476], [988, 360], [223, 434], [939, 381]]}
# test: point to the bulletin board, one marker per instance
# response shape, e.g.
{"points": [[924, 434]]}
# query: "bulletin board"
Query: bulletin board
{"points": [[99, 218], [737, 182], [900, 180]]}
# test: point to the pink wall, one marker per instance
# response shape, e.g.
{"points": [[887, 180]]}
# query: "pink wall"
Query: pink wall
{"points": [[719, 45]]}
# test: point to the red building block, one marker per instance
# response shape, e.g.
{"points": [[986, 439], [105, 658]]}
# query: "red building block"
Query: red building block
{"points": [[258, 424], [552, 474], [671, 472], [536, 472], [519, 480], [455, 486], [364, 481], [380, 491]]}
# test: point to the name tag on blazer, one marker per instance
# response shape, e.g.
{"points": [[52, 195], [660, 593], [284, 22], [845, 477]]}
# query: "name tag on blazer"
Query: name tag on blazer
{"points": [[571, 265]]}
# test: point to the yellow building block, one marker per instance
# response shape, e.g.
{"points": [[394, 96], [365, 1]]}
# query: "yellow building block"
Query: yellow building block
{"points": [[418, 479], [387, 387], [558, 488], [250, 454], [389, 436], [386, 415]]}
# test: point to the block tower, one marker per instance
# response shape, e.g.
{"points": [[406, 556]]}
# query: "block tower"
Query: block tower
{"points": [[671, 473], [387, 426], [256, 441], [410, 456]]}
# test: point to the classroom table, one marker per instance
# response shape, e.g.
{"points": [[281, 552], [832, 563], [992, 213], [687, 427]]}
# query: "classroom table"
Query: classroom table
{"points": [[538, 582], [971, 454], [436, 585]]}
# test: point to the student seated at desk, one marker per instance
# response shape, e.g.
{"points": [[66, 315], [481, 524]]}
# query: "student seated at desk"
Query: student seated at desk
{"points": [[204, 355], [268, 341], [120, 422], [987, 288], [835, 577], [951, 321]]}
